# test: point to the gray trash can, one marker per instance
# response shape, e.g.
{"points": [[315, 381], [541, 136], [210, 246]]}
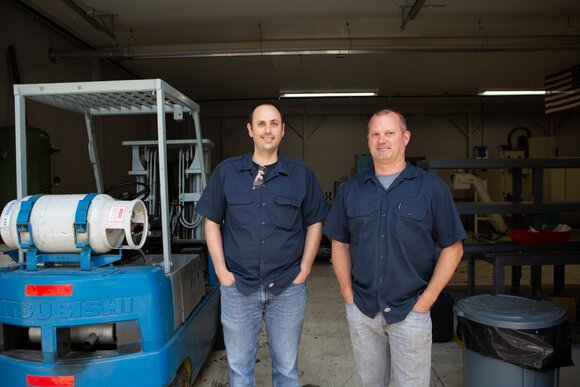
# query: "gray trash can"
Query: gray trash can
{"points": [[512, 341]]}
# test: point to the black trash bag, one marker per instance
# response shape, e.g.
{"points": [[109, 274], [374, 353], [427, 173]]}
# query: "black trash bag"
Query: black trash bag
{"points": [[537, 349]]}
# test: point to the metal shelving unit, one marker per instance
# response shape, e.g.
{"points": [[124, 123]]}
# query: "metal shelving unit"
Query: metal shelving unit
{"points": [[538, 206], [108, 98]]}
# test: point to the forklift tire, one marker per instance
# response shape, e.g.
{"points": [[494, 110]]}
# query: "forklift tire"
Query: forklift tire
{"points": [[182, 378]]}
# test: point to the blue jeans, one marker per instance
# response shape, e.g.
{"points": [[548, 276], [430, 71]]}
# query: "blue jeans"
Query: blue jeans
{"points": [[242, 318], [404, 347]]}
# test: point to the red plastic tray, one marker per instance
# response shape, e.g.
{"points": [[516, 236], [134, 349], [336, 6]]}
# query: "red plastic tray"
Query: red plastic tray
{"points": [[526, 237]]}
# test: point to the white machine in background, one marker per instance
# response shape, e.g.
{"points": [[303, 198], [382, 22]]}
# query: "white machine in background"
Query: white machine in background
{"points": [[470, 181], [185, 223]]}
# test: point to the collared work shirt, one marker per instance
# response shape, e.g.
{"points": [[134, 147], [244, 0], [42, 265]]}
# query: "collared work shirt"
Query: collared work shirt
{"points": [[263, 230], [393, 236]]}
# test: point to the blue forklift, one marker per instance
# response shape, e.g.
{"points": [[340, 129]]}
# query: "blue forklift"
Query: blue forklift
{"points": [[96, 297]]}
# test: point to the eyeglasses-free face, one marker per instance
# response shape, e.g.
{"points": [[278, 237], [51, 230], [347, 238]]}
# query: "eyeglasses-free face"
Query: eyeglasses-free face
{"points": [[266, 129]]}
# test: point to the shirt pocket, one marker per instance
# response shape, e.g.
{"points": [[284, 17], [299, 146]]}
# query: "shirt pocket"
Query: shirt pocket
{"points": [[361, 220], [411, 210], [412, 225], [286, 212], [240, 208]]}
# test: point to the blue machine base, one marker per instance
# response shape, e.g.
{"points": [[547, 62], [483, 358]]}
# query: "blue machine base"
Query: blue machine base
{"points": [[86, 259], [103, 296]]}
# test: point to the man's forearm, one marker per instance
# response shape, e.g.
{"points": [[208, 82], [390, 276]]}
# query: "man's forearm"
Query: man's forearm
{"points": [[213, 238], [311, 245], [342, 265], [446, 265]]}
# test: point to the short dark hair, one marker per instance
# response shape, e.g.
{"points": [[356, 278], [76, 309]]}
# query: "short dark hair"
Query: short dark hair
{"points": [[251, 115], [384, 112]]}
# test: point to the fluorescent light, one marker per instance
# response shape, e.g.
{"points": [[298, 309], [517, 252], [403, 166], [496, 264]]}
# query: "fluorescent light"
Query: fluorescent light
{"points": [[326, 94], [501, 93]]}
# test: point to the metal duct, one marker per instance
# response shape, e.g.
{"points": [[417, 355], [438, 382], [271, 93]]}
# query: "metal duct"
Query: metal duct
{"points": [[334, 47]]}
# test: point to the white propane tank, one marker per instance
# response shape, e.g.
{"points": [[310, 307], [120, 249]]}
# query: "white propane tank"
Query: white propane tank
{"points": [[110, 223]]}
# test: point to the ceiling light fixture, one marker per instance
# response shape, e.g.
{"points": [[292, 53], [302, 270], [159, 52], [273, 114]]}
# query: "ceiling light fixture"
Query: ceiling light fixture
{"points": [[503, 93], [327, 94]]}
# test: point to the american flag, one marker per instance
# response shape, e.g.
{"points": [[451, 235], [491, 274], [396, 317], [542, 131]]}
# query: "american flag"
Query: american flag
{"points": [[563, 90]]}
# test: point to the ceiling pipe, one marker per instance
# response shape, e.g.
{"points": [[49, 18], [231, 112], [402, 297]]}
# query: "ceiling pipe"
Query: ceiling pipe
{"points": [[63, 32], [83, 13], [412, 14], [333, 47]]}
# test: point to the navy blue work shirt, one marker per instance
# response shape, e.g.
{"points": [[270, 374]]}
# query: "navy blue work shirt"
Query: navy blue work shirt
{"points": [[263, 230], [393, 236]]}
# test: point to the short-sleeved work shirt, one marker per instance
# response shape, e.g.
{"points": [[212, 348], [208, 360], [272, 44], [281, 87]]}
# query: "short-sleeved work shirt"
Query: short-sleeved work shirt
{"points": [[264, 229], [393, 236]]}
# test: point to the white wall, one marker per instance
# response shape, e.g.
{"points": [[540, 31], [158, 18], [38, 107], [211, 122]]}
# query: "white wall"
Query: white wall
{"points": [[334, 138]]}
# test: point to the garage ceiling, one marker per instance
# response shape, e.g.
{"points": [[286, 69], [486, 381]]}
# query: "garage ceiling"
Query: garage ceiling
{"points": [[251, 49]]}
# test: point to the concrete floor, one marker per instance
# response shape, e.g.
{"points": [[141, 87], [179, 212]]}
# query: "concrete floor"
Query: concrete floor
{"points": [[325, 350]]}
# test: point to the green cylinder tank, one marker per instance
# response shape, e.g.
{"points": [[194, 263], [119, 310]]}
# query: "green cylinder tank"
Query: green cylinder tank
{"points": [[38, 152]]}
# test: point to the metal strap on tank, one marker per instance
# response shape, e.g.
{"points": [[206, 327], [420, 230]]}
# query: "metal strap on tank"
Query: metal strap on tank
{"points": [[80, 225], [23, 221]]}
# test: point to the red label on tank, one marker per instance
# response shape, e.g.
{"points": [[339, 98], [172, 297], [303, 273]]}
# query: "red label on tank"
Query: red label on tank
{"points": [[48, 290], [50, 381]]}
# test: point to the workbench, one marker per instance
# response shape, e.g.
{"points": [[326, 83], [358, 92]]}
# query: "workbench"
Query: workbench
{"points": [[505, 254], [501, 254]]}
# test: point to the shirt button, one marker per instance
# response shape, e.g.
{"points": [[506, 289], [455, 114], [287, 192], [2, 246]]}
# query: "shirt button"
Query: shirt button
{"points": [[263, 222], [382, 235], [271, 285], [263, 204], [382, 256], [263, 242], [383, 214], [387, 310]]}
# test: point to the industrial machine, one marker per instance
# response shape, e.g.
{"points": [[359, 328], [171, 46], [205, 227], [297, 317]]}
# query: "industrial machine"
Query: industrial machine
{"points": [[84, 305], [186, 225], [462, 180], [39, 154]]}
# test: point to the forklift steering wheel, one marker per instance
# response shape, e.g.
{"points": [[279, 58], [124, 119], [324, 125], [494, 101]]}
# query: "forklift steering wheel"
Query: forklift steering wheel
{"points": [[142, 194]]}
